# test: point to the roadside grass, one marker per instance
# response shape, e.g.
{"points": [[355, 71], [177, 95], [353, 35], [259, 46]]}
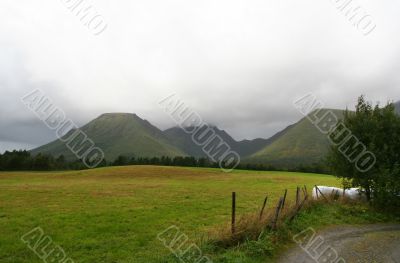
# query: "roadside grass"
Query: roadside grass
{"points": [[266, 245]]}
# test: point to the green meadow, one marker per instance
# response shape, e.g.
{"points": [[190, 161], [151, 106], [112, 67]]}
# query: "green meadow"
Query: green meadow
{"points": [[114, 214]]}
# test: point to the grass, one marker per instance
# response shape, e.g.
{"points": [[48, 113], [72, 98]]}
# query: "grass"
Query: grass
{"points": [[265, 245], [114, 214]]}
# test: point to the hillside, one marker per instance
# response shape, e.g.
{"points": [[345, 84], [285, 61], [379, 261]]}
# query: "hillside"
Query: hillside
{"points": [[119, 134], [249, 147], [397, 106], [183, 141], [302, 144]]}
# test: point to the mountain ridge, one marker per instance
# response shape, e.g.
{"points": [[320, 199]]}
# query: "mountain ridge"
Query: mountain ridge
{"points": [[127, 134], [184, 141]]}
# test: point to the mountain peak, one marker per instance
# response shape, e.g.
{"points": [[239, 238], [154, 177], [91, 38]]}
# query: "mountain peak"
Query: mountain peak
{"points": [[117, 115], [120, 117], [119, 134]]}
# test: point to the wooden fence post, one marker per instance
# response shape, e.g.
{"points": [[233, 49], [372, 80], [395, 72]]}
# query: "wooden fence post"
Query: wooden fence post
{"points": [[298, 209], [304, 191], [284, 199], [262, 209], [297, 196], [326, 199], [233, 212], [277, 211]]}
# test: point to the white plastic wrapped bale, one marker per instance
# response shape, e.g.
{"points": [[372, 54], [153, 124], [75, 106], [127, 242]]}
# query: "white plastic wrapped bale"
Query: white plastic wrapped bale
{"points": [[352, 193], [355, 194], [326, 191]]}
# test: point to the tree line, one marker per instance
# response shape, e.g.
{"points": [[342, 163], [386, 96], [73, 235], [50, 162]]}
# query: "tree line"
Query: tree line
{"points": [[24, 161], [206, 162]]}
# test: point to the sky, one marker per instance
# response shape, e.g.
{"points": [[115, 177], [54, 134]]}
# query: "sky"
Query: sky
{"points": [[239, 64]]}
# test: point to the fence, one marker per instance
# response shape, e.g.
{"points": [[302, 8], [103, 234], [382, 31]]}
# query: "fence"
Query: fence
{"points": [[282, 207]]}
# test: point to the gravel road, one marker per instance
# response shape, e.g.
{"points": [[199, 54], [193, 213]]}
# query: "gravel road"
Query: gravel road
{"points": [[355, 244]]}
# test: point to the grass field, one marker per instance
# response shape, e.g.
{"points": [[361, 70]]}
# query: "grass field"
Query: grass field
{"points": [[114, 214]]}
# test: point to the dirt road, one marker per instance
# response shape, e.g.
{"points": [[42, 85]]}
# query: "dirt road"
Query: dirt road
{"points": [[355, 244]]}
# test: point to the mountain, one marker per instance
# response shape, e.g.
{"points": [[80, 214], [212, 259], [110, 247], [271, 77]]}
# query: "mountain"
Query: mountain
{"points": [[301, 144], [119, 134], [127, 134], [183, 141], [249, 147]]}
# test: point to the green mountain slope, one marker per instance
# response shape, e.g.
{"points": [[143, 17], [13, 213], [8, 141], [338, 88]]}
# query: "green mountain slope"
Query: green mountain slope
{"points": [[302, 144], [249, 147], [119, 134], [183, 141]]}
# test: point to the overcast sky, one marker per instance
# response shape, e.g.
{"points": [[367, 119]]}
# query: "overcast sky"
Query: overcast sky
{"points": [[238, 63]]}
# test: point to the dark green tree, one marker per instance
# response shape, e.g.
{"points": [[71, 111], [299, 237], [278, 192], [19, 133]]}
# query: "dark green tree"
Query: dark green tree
{"points": [[120, 161], [366, 151]]}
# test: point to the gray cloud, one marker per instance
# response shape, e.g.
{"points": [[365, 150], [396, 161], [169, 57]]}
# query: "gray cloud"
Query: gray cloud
{"points": [[240, 64]]}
